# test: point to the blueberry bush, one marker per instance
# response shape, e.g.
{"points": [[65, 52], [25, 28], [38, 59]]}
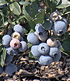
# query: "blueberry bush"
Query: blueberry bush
{"points": [[43, 31]]}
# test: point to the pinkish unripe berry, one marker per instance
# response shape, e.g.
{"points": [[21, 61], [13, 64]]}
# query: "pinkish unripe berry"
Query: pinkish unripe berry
{"points": [[15, 43]]}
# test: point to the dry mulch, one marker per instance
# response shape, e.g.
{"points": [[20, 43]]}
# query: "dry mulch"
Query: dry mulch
{"points": [[30, 70]]}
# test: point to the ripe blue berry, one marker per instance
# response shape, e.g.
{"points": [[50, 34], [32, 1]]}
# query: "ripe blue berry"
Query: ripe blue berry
{"points": [[43, 48], [12, 51], [9, 58], [57, 56], [45, 60], [53, 51], [23, 46], [59, 44], [35, 52], [41, 32], [54, 16], [21, 38], [6, 40], [59, 27], [10, 30], [65, 21], [10, 69], [51, 24], [1, 69], [2, 6], [18, 28], [32, 38]]}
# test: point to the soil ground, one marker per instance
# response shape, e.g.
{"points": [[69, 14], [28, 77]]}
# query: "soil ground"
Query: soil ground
{"points": [[30, 70]]}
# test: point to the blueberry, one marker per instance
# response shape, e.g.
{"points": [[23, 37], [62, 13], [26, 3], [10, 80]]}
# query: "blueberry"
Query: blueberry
{"points": [[10, 30], [59, 44], [23, 46], [21, 38], [65, 21], [53, 51], [12, 51], [54, 16], [11, 69], [18, 28], [52, 42], [34, 51], [51, 24], [2, 6], [16, 35], [43, 48], [32, 38], [59, 27], [41, 32], [8, 59], [1, 69], [45, 60], [57, 56], [15, 43], [6, 40]]}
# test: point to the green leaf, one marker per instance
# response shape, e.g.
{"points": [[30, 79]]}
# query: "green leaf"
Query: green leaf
{"points": [[46, 24], [51, 4], [27, 14], [63, 51], [39, 17], [27, 27], [32, 0], [56, 2], [23, 3], [47, 2], [37, 1], [2, 2], [1, 19], [64, 10], [26, 11], [31, 9], [66, 45], [32, 24], [63, 5], [61, 48], [34, 9], [29, 45], [67, 12], [2, 56], [31, 31], [31, 57], [31, 14], [1, 46], [15, 8], [25, 31]]}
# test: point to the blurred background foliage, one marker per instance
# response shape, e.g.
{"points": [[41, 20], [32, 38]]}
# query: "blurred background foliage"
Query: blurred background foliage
{"points": [[28, 13]]}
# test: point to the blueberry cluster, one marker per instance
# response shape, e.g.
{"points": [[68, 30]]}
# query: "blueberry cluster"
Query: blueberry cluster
{"points": [[14, 44], [58, 23], [41, 34], [46, 50]]}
